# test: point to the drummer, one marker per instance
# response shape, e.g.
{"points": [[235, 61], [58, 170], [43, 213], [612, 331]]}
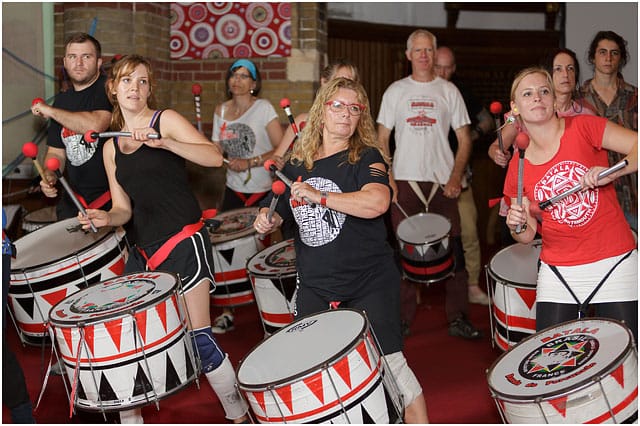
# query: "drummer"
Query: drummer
{"points": [[589, 257], [149, 186], [342, 254]]}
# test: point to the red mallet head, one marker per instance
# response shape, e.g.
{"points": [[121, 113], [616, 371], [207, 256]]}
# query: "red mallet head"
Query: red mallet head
{"points": [[52, 164], [30, 150], [522, 140], [278, 187], [284, 103], [37, 101], [91, 136], [196, 89], [495, 107], [268, 164]]}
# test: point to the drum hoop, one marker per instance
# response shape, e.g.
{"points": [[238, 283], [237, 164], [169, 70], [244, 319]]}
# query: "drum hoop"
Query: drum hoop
{"points": [[509, 283], [273, 247], [155, 300], [93, 245], [248, 231], [292, 274], [297, 377], [615, 363]]}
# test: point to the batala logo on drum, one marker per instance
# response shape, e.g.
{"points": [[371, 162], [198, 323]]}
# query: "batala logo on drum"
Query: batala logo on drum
{"points": [[301, 326], [561, 358]]}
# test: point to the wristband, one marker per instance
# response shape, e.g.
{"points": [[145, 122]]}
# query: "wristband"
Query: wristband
{"points": [[323, 198]]}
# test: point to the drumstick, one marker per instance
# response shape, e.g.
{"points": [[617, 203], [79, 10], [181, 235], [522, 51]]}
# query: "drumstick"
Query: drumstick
{"points": [[522, 141], [496, 110], [196, 89], [53, 164], [92, 136], [270, 166], [286, 105], [401, 209], [606, 172], [278, 188], [30, 150]]}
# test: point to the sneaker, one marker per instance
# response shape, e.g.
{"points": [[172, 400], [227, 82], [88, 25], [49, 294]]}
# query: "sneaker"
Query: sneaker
{"points": [[476, 295], [222, 324], [461, 327]]}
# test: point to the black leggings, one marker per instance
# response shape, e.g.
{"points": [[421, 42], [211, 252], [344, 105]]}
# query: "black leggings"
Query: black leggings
{"points": [[549, 313]]}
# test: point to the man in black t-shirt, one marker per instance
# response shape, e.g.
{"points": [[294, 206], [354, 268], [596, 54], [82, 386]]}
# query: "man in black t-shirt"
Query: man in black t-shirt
{"points": [[82, 107]]}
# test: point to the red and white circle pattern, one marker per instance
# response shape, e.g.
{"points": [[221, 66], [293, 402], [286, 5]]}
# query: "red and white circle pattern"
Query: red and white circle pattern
{"points": [[228, 29]]}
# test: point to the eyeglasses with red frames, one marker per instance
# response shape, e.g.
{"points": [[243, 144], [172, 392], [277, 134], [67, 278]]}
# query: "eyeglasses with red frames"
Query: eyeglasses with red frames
{"points": [[338, 107]]}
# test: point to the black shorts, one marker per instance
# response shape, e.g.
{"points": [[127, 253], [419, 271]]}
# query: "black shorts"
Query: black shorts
{"points": [[191, 259], [379, 298]]}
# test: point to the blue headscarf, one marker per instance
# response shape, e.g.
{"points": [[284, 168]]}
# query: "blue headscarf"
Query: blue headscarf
{"points": [[248, 65]]}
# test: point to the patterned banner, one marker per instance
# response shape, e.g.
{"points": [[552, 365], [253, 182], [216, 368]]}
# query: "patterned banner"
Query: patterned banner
{"points": [[230, 30]]}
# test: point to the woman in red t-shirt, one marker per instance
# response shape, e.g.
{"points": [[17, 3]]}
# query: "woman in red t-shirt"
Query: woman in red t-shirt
{"points": [[589, 255]]}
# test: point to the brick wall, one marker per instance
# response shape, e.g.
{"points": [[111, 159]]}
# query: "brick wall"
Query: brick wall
{"points": [[144, 28]]}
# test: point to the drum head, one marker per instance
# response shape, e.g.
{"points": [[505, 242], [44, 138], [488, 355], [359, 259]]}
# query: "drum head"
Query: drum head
{"points": [[235, 224], [423, 228], [276, 260], [301, 347], [517, 263], [54, 242], [560, 359], [113, 298]]}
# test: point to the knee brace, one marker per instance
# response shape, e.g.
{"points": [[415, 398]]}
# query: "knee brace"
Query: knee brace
{"points": [[211, 356]]}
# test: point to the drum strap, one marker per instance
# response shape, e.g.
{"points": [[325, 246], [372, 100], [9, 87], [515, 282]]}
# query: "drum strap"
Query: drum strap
{"points": [[416, 188], [165, 249], [582, 307], [251, 200], [97, 203]]}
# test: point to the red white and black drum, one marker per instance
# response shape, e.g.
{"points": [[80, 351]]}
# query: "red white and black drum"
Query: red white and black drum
{"points": [[124, 342], [322, 368], [39, 218], [512, 275], [427, 255], [581, 371], [233, 243], [273, 276], [55, 261]]}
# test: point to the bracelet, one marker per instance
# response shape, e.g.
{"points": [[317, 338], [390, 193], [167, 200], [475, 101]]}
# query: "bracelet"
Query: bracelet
{"points": [[524, 228], [323, 198]]}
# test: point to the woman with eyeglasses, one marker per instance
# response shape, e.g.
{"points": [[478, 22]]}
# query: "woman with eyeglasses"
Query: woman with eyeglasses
{"points": [[338, 199], [248, 130]]}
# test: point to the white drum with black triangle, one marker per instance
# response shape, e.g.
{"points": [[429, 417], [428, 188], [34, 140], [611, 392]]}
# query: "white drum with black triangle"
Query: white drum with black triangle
{"points": [[56, 261], [124, 342], [580, 371], [233, 243], [323, 368], [425, 250]]}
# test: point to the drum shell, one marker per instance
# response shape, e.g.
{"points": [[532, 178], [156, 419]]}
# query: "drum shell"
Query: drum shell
{"points": [[352, 375], [36, 287], [512, 276], [591, 388], [273, 275], [128, 359], [233, 243], [429, 259]]}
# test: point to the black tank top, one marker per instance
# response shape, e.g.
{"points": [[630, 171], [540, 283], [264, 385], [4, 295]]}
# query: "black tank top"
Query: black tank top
{"points": [[156, 181]]}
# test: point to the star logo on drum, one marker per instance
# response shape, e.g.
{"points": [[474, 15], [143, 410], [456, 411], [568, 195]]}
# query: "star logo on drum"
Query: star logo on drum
{"points": [[559, 357]]}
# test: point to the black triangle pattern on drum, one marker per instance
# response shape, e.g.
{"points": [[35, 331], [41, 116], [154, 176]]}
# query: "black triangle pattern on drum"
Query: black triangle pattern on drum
{"points": [[366, 418], [80, 391], [172, 378], [227, 254], [106, 392], [142, 385], [27, 304], [188, 358]]}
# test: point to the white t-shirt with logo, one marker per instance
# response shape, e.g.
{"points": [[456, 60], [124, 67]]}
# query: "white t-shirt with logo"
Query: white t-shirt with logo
{"points": [[422, 114]]}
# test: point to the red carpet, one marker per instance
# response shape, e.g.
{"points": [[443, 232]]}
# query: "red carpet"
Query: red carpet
{"points": [[452, 372]]}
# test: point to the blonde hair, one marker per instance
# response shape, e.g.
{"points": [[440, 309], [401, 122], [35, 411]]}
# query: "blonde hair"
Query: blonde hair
{"points": [[332, 69], [121, 68], [363, 137], [518, 79]]}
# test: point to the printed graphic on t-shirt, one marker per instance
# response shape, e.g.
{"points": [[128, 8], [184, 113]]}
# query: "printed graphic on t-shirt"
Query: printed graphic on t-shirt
{"points": [[421, 109], [77, 149], [238, 140], [318, 225], [576, 209]]}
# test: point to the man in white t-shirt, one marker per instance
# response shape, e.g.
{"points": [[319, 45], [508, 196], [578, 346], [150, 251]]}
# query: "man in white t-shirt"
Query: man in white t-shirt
{"points": [[422, 108]]}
